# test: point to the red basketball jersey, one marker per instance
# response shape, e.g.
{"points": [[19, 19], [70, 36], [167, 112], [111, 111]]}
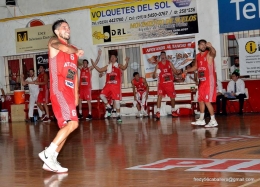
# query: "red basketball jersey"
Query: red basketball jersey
{"points": [[139, 85], [41, 79], [63, 69], [166, 74], [206, 71], [114, 77], [85, 78]]}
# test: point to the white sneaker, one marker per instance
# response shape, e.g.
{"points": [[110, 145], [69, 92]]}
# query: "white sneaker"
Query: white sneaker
{"points": [[139, 115], [144, 113], [199, 122], [60, 168], [49, 160], [212, 123]]}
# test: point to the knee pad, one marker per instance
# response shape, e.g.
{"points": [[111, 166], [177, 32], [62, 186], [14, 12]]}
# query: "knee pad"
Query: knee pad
{"points": [[103, 98]]}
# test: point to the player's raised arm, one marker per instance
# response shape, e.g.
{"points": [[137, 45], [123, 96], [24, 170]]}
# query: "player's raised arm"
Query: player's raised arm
{"points": [[123, 67], [100, 70], [212, 50], [97, 60]]}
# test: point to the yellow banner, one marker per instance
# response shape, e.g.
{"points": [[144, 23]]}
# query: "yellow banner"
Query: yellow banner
{"points": [[143, 20], [33, 38]]}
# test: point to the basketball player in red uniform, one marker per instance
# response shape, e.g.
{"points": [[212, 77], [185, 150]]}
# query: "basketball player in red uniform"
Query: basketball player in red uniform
{"points": [[207, 81], [141, 91], [43, 96], [164, 71], [113, 83], [63, 91], [85, 86]]}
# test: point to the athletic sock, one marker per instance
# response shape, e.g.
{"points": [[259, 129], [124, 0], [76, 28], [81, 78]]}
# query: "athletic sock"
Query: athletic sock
{"points": [[89, 113], [52, 148], [201, 116], [212, 118], [173, 109], [158, 109], [80, 111], [56, 155]]}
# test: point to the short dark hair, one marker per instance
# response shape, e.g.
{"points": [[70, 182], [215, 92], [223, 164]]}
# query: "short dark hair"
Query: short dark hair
{"points": [[57, 24], [202, 41], [235, 73], [135, 73], [31, 69], [111, 56], [85, 60], [163, 52], [42, 66], [236, 58]]}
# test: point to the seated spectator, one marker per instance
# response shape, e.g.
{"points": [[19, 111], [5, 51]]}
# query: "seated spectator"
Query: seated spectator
{"points": [[235, 68], [235, 89]]}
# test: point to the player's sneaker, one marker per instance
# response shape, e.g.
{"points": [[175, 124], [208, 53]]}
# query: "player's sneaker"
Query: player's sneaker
{"points": [[106, 115], [108, 112], [212, 123], [144, 113], [199, 122], [174, 114], [157, 115], [139, 115], [47, 119], [113, 114], [60, 168], [80, 116], [89, 117], [118, 119], [49, 160], [43, 118]]}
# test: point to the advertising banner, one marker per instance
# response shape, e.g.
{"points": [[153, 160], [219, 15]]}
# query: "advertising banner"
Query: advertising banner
{"points": [[42, 59], [143, 20], [238, 15], [33, 39], [249, 56], [180, 53]]}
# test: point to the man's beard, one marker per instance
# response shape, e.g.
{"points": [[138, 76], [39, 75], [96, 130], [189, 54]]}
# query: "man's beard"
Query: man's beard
{"points": [[237, 65], [203, 50], [64, 37]]}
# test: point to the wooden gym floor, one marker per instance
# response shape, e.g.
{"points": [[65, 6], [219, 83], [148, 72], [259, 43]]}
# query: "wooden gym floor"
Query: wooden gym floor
{"points": [[102, 153]]}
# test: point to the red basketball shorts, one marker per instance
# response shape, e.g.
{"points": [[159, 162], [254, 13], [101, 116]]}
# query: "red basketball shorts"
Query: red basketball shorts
{"points": [[85, 93], [167, 89], [43, 96], [113, 91], [64, 108], [207, 93]]}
